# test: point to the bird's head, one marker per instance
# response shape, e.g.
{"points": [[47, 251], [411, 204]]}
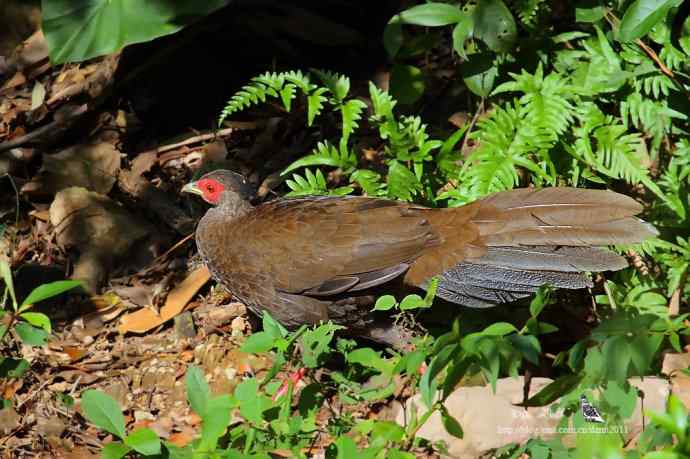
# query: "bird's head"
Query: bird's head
{"points": [[219, 184]]}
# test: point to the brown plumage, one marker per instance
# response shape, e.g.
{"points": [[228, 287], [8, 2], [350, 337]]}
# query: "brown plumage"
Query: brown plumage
{"points": [[309, 259]]}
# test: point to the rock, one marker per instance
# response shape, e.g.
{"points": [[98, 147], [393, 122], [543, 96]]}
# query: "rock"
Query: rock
{"points": [[99, 228], [92, 166], [491, 420]]}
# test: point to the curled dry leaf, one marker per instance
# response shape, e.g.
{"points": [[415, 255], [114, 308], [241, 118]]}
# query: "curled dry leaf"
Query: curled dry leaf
{"points": [[145, 319], [91, 166], [102, 231]]}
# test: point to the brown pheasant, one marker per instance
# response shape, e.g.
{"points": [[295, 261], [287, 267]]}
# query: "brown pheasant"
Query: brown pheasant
{"points": [[309, 259]]}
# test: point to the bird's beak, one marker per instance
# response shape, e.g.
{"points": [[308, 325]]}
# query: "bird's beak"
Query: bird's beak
{"points": [[191, 188]]}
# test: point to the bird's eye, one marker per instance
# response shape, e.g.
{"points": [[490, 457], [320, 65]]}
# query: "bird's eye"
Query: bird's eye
{"points": [[210, 188]]}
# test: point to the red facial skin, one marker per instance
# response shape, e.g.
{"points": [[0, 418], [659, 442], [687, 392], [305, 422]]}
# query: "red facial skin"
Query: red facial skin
{"points": [[210, 190]]}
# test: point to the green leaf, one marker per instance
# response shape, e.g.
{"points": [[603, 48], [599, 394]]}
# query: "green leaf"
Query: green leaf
{"points": [[31, 335], [461, 32], [494, 25], [554, 390], [432, 15], [198, 390], [144, 441], [37, 319], [368, 358], [398, 454], [385, 303], [216, 420], [589, 11], [641, 16], [451, 424], [406, 83], [77, 30], [413, 301], [499, 329], [479, 73], [272, 327], [250, 405], [258, 342], [103, 411], [115, 450], [12, 368], [439, 362], [6, 274], [49, 290], [393, 37], [347, 448]]}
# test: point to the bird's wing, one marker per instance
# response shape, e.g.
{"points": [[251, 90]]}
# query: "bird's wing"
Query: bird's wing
{"points": [[325, 246], [315, 246]]}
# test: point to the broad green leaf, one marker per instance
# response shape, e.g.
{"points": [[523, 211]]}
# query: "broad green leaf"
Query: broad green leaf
{"points": [[451, 424], [12, 368], [45, 291], [368, 358], [413, 301], [216, 420], [589, 11], [528, 346], [554, 390], [246, 394], [77, 30], [385, 303], [437, 365], [347, 448], [272, 327], [144, 441], [393, 36], [641, 16], [258, 342], [103, 411], [499, 329], [37, 319], [198, 390], [494, 25], [31, 335], [678, 413], [398, 454], [406, 83], [617, 353], [461, 32], [432, 15], [479, 73], [115, 450], [388, 431]]}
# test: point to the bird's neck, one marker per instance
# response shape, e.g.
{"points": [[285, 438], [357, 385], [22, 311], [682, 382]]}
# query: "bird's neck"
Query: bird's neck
{"points": [[232, 205]]}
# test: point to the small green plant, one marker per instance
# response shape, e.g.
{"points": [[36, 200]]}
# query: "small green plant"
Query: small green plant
{"points": [[32, 328]]}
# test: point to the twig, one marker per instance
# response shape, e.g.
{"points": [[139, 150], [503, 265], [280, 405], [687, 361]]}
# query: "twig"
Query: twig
{"points": [[36, 134], [614, 22], [194, 139], [473, 121]]}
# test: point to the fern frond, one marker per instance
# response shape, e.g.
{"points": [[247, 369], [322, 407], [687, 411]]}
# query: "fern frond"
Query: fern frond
{"points": [[527, 11], [325, 154], [339, 85], [351, 113]]}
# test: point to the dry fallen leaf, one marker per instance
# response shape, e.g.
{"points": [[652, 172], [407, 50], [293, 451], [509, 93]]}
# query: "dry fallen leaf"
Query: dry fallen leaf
{"points": [[145, 319], [180, 439]]}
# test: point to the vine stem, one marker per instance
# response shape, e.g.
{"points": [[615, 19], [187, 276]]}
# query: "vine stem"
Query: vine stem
{"points": [[473, 121]]}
